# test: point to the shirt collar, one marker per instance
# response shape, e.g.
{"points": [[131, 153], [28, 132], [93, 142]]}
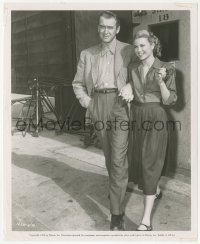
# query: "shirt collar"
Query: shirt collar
{"points": [[108, 47], [157, 64]]}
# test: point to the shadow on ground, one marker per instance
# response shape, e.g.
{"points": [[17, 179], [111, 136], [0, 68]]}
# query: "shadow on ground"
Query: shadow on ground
{"points": [[89, 189]]}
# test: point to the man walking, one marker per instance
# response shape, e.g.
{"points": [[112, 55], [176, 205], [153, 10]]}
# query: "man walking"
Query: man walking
{"points": [[101, 73]]}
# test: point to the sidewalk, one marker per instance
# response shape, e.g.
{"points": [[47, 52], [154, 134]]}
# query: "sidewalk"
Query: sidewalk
{"points": [[59, 185]]}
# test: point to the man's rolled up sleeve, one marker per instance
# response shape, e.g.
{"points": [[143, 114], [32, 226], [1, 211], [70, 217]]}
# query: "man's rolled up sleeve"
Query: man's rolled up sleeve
{"points": [[170, 82]]}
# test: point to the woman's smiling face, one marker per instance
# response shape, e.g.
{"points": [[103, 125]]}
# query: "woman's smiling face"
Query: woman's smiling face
{"points": [[143, 48]]}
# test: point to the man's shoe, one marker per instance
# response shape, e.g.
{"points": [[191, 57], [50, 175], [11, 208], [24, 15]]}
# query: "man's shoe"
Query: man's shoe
{"points": [[122, 220], [117, 223]]}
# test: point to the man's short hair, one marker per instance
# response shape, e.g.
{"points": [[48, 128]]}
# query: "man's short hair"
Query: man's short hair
{"points": [[110, 14]]}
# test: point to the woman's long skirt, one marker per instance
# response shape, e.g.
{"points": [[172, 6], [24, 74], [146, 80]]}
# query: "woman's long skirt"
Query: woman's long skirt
{"points": [[147, 144]]}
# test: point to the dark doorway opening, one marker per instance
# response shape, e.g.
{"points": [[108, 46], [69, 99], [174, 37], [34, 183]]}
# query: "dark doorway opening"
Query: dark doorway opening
{"points": [[168, 34]]}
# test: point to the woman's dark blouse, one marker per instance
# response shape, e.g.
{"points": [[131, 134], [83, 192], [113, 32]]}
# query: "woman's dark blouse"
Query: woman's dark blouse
{"points": [[148, 90]]}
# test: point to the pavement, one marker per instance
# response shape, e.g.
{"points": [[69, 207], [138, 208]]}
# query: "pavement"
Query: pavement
{"points": [[59, 185]]}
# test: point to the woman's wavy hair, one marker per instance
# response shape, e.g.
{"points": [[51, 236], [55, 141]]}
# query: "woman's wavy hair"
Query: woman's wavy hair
{"points": [[152, 39]]}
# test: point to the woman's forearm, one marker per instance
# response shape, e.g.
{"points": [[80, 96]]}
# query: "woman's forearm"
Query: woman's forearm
{"points": [[165, 93]]}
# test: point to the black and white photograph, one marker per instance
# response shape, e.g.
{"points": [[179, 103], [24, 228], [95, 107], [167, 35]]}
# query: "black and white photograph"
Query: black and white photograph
{"points": [[100, 106]]}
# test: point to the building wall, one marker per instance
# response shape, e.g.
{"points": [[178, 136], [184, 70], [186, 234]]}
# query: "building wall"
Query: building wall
{"points": [[41, 46], [86, 34], [179, 144]]}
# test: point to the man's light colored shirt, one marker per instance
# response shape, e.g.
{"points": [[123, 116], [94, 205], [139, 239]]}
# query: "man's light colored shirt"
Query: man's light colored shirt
{"points": [[106, 74]]}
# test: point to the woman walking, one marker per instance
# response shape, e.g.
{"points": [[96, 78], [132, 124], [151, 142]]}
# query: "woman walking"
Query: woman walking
{"points": [[152, 83]]}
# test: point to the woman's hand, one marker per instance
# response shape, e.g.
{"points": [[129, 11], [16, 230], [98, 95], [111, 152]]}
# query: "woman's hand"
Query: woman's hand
{"points": [[127, 93], [160, 75]]}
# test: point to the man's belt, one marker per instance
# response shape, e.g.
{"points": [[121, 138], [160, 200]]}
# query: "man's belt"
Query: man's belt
{"points": [[106, 90]]}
